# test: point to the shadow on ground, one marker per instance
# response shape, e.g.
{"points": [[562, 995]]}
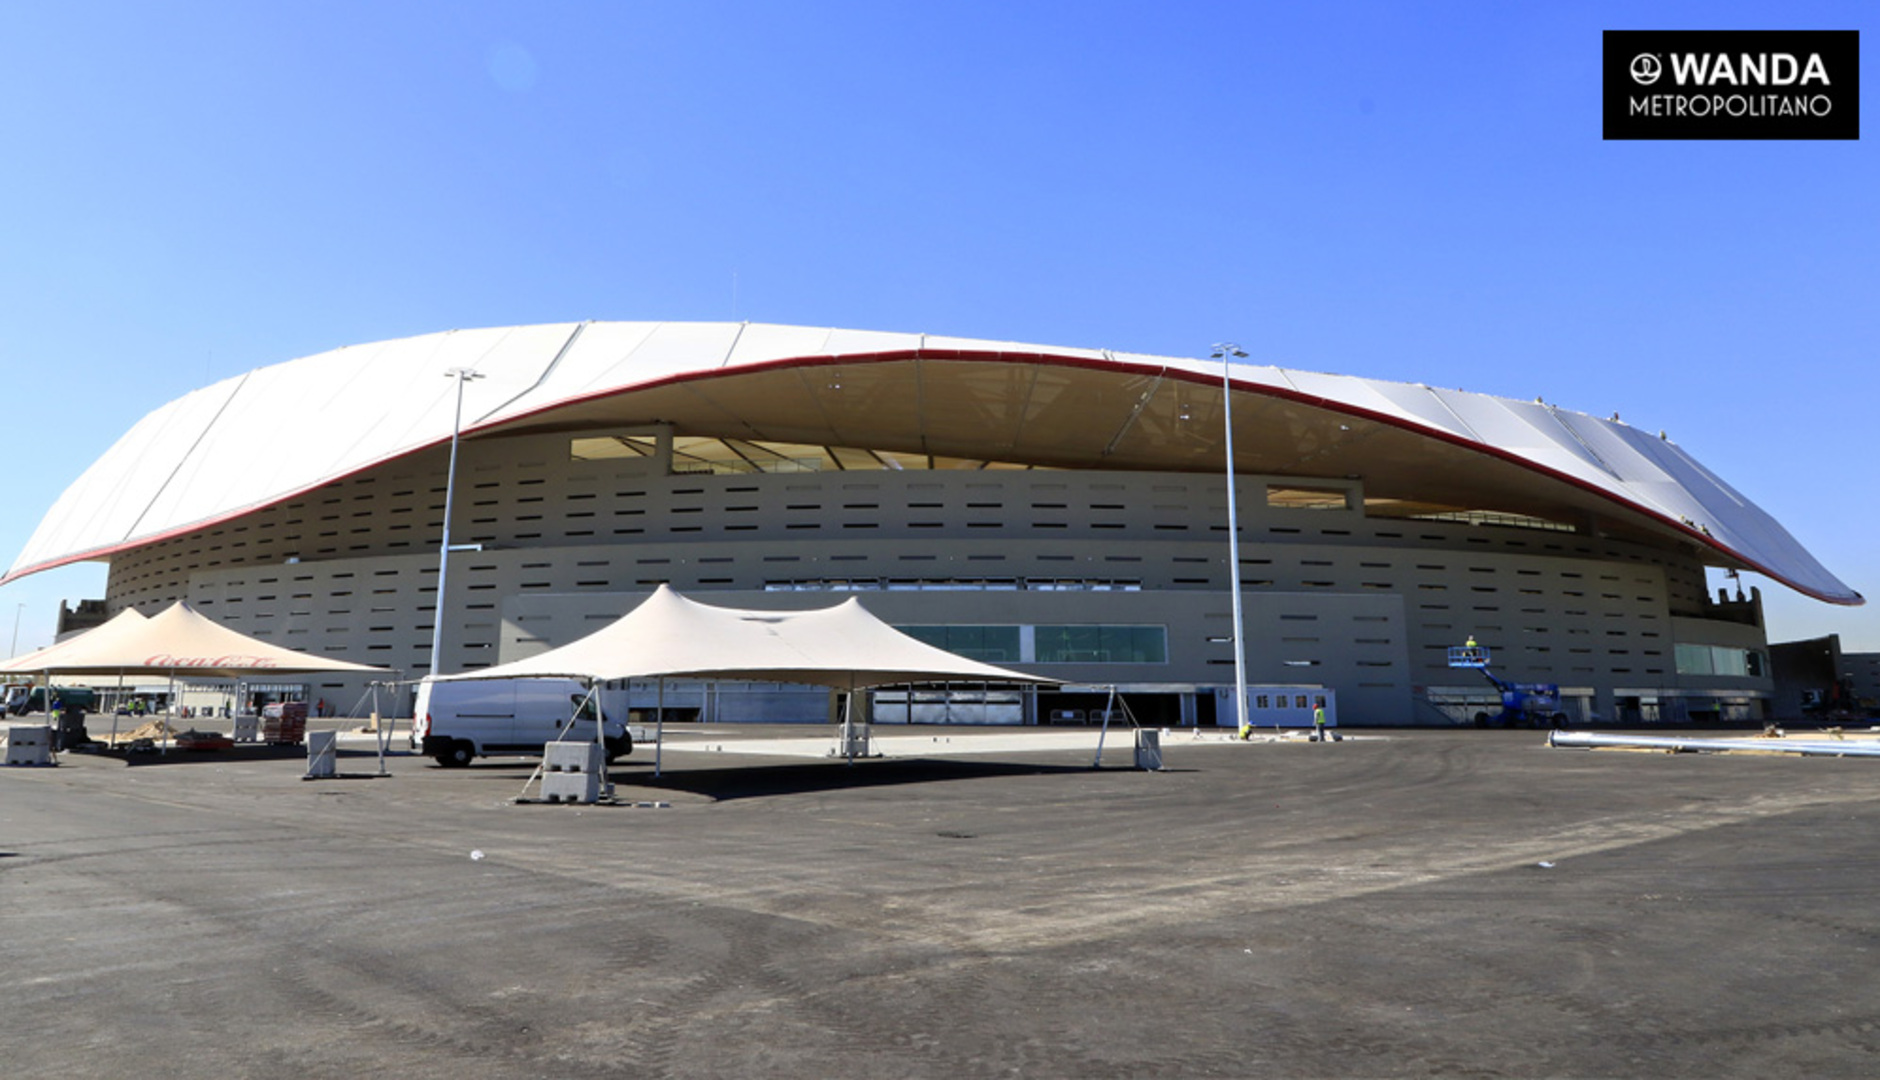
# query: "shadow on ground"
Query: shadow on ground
{"points": [[241, 752], [746, 781]]}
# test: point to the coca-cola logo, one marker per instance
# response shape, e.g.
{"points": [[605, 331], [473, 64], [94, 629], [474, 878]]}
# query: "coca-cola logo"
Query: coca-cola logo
{"points": [[228, 660]]}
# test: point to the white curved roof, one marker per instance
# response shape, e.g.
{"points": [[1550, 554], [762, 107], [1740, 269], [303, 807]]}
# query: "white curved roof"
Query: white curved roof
{"points": [[271, 434]]}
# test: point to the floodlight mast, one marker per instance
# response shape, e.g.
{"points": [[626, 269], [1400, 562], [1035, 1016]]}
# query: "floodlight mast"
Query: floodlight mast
{"points": [[1226, 352], [462, 375]]}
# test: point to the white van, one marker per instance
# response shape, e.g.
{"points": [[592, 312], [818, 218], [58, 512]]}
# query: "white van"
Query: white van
{"points": [[456, 722]]}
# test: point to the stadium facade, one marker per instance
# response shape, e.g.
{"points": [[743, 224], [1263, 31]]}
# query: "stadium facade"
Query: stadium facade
{"points": [[1058, 510]]}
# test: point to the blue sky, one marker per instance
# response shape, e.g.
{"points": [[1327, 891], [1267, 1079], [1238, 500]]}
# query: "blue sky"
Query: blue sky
{"points": [[1394, 190]]}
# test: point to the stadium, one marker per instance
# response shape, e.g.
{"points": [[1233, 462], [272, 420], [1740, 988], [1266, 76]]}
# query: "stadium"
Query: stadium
{"points": [[1062, 511]]}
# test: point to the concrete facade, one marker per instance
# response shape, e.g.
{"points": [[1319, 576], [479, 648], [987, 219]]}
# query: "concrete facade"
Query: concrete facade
{"points": [[1350, 594], [1863, 675]]}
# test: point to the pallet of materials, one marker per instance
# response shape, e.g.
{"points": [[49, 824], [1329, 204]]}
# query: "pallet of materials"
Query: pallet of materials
{"points": [[284, 723], [203, 740]]}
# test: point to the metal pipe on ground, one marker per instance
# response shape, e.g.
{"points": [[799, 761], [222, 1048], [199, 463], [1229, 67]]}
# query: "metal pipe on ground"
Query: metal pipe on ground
{"points": [[1588, 740]]}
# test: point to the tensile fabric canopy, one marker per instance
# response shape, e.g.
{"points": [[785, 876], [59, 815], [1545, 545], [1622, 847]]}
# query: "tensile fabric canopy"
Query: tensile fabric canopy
{"points": [[673, 636], [177, 639]]}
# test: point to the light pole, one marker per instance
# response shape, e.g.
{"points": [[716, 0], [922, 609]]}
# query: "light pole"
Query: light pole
{"points": [[462, 375], [14, 649], [1225, 352]]}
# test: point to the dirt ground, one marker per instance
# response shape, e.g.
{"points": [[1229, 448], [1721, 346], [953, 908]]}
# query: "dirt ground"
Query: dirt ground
{"points": [[1433, 903]]}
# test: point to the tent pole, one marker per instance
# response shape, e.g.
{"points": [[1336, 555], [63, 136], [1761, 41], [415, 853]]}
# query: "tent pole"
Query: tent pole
{"points": [[114, 709], [659, 729], [848, 722], [600, 738], [1104, 733], [175, 712], [377, 730], [391, 722], [52, 721]]}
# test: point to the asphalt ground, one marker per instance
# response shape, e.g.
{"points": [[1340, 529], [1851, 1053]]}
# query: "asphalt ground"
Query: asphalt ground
{"points": [[1415, 903]]}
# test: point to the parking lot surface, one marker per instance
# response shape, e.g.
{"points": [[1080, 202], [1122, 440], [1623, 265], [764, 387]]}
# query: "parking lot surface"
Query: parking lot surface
{"points": [[1422, 903]]}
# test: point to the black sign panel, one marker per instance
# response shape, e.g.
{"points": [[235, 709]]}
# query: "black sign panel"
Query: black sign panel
{"points": [[1732, 84]]}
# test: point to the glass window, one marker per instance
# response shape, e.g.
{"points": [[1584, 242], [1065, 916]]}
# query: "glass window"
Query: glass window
{"points": [[992, 644], [966, 640], [1152, 644], [1071, 644], [928, 635], [1730, 661], [1080, 643], [1694, 660], [1719, 660], [1102, 644]]}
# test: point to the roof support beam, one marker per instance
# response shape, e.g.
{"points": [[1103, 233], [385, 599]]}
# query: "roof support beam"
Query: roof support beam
{"points": [[1130, 421]]}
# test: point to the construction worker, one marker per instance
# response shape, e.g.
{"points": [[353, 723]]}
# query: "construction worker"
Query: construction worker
{"points": [[1318, 722]]}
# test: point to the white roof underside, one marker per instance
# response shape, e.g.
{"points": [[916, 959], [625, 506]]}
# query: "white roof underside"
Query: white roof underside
{"points": [[260, 438]]}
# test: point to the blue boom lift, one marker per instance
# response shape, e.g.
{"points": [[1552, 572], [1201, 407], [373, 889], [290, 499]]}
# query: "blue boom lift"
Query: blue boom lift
{"points": [[1534, 705]]}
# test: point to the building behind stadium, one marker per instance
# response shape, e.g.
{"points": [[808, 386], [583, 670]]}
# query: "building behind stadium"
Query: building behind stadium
{"points": [[1057, 510]]}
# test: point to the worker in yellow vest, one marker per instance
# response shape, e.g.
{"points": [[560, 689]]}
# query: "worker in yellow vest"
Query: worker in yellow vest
{"points": [[1318, 724]]}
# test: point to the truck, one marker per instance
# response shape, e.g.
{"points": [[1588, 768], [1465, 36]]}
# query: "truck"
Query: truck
{"points": [[458, 721], [21, 700]]}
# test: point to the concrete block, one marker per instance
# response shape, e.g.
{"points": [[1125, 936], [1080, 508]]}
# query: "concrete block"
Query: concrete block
{"points": [[28, 744], [1148, 748], [574, 757], [571, 787], [856, 744], [322, 755]]}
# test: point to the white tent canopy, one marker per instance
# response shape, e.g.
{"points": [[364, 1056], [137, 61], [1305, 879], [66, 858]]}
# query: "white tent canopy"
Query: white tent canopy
{"points": [[177, 639], [32, 661], [669, 636]]}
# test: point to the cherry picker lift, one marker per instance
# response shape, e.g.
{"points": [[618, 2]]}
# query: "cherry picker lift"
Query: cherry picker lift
{"points": [[1533, 705]]}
